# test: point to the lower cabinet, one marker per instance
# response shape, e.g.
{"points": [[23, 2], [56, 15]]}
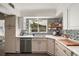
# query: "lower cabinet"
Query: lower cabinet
{"points": [[39, 45], [73, 54], [51, 46], [2, 52], [61, 50]]}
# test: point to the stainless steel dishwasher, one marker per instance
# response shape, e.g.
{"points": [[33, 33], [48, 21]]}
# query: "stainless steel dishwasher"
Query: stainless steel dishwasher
{"points": [[25, 45]]}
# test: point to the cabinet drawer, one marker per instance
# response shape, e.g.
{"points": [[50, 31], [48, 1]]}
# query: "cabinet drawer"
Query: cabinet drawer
{"points": [[51, 46], [64, 49]]}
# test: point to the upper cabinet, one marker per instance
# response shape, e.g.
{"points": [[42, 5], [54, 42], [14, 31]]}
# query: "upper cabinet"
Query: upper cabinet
{"points": [[10, 21], [71, 18], [65, 19]]}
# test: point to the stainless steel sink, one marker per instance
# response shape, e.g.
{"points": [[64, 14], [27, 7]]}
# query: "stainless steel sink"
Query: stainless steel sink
{"points": [[39, 35]]}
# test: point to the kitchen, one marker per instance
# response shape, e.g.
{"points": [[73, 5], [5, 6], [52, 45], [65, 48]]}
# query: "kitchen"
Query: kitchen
{"points": [[39, 29]]}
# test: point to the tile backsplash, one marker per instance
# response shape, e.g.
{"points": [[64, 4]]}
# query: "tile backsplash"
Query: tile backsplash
{"points": [[73, 34]]}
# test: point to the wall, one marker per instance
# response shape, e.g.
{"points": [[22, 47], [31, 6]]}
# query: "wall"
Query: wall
{"points": [[39, 13], [73, 34]]}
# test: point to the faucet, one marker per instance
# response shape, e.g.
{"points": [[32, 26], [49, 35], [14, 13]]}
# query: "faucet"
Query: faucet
{"points": [[33, 34]]}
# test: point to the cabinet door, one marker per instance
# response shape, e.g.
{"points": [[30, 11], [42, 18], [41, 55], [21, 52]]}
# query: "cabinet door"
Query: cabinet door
{"points": [[10, 40], [2, 52], [73, 18], [10, 21], [73, 13], [35, 46], [51, 46], [43, 45]]}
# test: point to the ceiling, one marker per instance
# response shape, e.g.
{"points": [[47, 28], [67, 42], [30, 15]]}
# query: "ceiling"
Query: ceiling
{"points": [[36, 6], [33, 9]]}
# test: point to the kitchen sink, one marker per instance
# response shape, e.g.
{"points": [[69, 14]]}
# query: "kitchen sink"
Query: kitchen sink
{"points": [[69, 42], [39, 36]]}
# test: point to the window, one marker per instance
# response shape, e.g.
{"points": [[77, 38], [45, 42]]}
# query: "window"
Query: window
{"points": [[42, 25], [2, 28], [38, 25], [31, 25]]}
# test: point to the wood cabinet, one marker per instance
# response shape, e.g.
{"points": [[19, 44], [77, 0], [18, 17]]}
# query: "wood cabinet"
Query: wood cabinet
{"points": [[2, 52], [10, 38], [61, 50], [39, 45], [10, 21], [35, 46], [51, 46], [43, 46]]}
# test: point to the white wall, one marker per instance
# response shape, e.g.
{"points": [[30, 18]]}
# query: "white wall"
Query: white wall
{"points": [[39, 13]]}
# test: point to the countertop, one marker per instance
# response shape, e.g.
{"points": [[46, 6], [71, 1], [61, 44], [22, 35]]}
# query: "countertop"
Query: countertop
{"points": [[74, 49], [44, 36]]}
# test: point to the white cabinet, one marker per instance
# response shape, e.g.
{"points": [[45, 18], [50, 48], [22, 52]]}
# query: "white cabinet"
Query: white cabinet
{"points": [[39, 45], [51, 46], [73, 13], [65, 19], [71, 18]]}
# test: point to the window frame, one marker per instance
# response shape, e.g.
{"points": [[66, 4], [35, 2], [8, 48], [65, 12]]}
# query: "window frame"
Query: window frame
{"points": [[38, 27]]}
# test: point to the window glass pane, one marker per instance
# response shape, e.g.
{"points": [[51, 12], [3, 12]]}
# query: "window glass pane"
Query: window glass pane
{"points": [[42, 25], [33, 25], [2, 28]]}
